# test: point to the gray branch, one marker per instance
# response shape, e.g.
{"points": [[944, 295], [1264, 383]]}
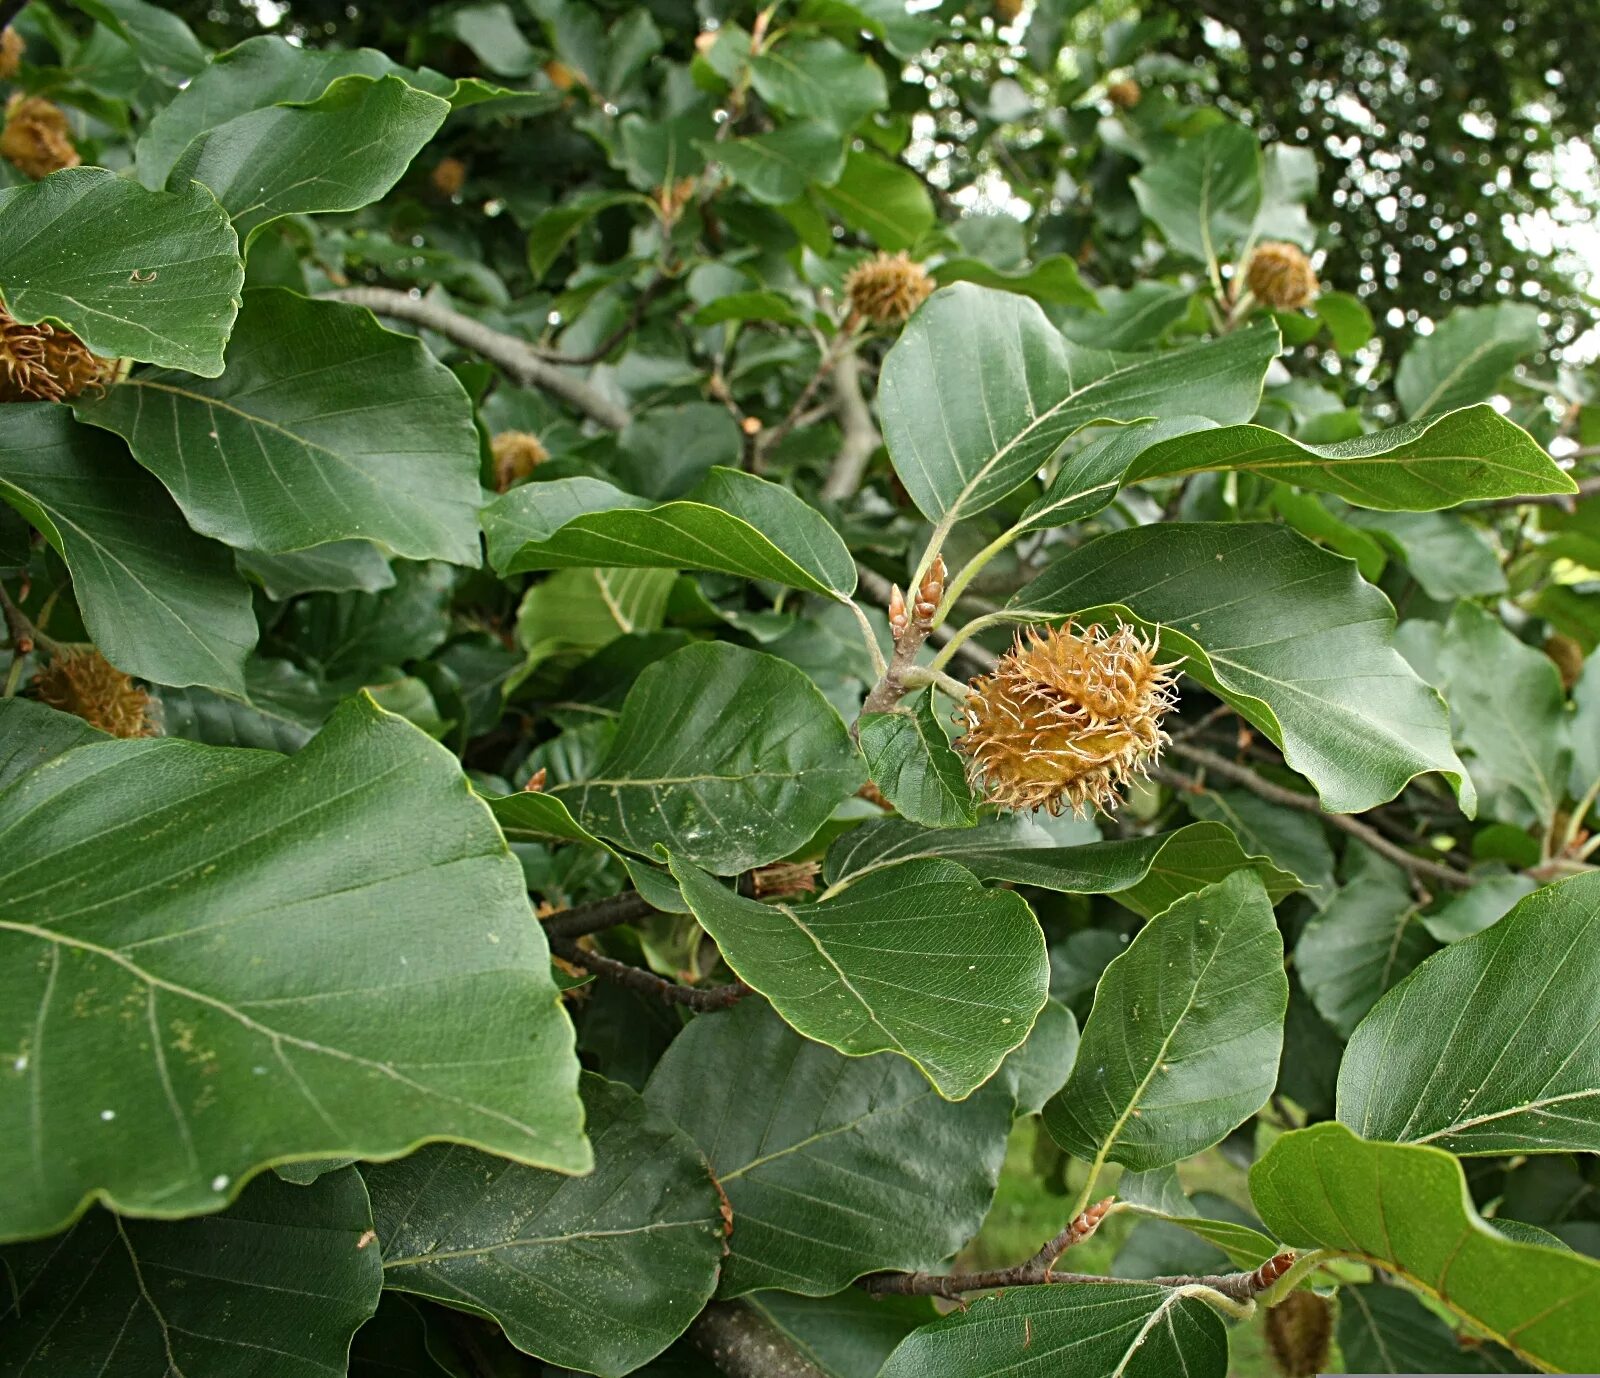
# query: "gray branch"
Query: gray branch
{"points": [[745, 1344]]}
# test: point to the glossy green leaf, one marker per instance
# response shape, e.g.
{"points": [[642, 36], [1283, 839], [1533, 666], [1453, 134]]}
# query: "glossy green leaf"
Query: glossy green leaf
{"points": [[1094, 1330], [1491, 1046], [1367, 939], [919, 960], [1089, 478], [752, 761], [1184, 1037], [1465, 358], [160, 602], [819, 79], [1287, 633], [283, 707], [161, 42], [1295, 842], [885, 201], [1438, 461], [339, 152], [731, 522], [31, 734], [135, 274], [602, 1271], [808, 1144], [911, 761], [1406, 1208], [1145, 874], [553, 231], [1386, 1329], [272, 1288], [1205, 193], [980, 390], [283, 452], [1053, 279], [1041, 1066], [262, 958], [777, 168]]}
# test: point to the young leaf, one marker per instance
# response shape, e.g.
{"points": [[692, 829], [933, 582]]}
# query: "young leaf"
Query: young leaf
{"points": [[919, 960], [1287, 633], [160, 602], [980, 390], [1438, 461], [726, 757], [1491, 1045], [1204, 194], [732, 522], [216, 960], [276, 1284], [808, 1144], [911, 761], [135, 274], [1094, 1330], [282, 451], [604, 1270], [1464, 360], [1406, 1208], [1184, 1037]]}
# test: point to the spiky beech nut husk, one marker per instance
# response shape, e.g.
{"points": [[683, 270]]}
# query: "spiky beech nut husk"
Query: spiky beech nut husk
{"points": [[1006, 11], [1067, 717], [41, 363], [84, 683], [887, 288], [11, 50], [516, 455], [449, 175], [1299, 1332], [1281, 277], [37, 138], [1124, 94], [1568, 656]]}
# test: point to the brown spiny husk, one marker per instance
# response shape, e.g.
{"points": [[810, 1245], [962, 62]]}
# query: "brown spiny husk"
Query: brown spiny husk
{"points": [[1066, 717], [516, 455], [887, 288], [449, 175], [1281, 277], [1299, 1329], [11, 50], [37, 138], [41, 363], [1124, 94], [84, 683]]}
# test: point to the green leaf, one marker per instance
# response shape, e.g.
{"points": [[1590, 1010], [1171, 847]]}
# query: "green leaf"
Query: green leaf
{"points": [[1184, 1037], [284, 708], [1287, 633], [849, 1334], [1131, 319], [1347, 319], [807, 1144], [1406, 1208], [404, 1340], [277, 1284], [1490, 898], [883, 200], [1490, 1046], [1158, 1195], [135, 274], [585, 609], [1385, 1329], [163, 44], [324, 427], [491, 31], [753, 761], [1448, 555], [553, 231], [1466, 357], [1041, 1066], [1295, 842], [731, 522], [1093, 1330], [819, 79], [338, 567], [1204, 194], [339, 152], [1435, 462], [910, 759], [1053, 279], [260, 959], [919, 960], [160, 602], [1366, 940], [777, 168], [980, 390], [1144, 874], [602, 1271], [31, 734], [749, 306]]}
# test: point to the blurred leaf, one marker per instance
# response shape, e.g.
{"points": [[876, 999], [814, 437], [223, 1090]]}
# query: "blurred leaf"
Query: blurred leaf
{"points": [[883, 200], [819, 79], [1465, 358], [1053, 279], [1204, 194], [777, 168]]}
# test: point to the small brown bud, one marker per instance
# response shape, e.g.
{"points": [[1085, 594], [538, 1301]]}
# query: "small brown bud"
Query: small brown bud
{"points": [[899, 621], [873, 795], [449, 176], [1299, 1331], [930, 593], [11, 50], [37, 138], [1568, 656], [751, 425], [1066, 717], [1270, 1271], [1281, 277], [516, 455], [536, 781], [561, 76], [888, 288], [1124, 94], [84, 683], [40, 363]]}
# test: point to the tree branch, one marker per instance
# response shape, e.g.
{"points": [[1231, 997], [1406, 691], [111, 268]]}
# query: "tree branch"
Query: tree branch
{"points": [[519, 360], [745, 1344], [596, 917], [647, 982], [841, 346], [910, 628], [858, 435]]}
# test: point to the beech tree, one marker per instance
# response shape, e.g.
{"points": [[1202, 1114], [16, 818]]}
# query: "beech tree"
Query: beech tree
{"points": [[653, 654]]}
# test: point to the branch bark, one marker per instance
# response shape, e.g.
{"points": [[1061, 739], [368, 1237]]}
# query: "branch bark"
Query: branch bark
{"points": [[745, 1344], [598, 916], [647, 982], [518, 359], [858, 435]]}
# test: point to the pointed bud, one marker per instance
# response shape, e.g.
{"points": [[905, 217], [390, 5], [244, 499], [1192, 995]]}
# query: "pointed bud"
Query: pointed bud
{"points": [[536, 780], [930, 593], [899, 620]]}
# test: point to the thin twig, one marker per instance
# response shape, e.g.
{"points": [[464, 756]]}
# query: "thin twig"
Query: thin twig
{"points": [[519, 359], [842, 344], [18, 628], [647, 982], [1293, 799], [910, 626], [858, 435], [641, 304], [596, 917], [744, 1344]]}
